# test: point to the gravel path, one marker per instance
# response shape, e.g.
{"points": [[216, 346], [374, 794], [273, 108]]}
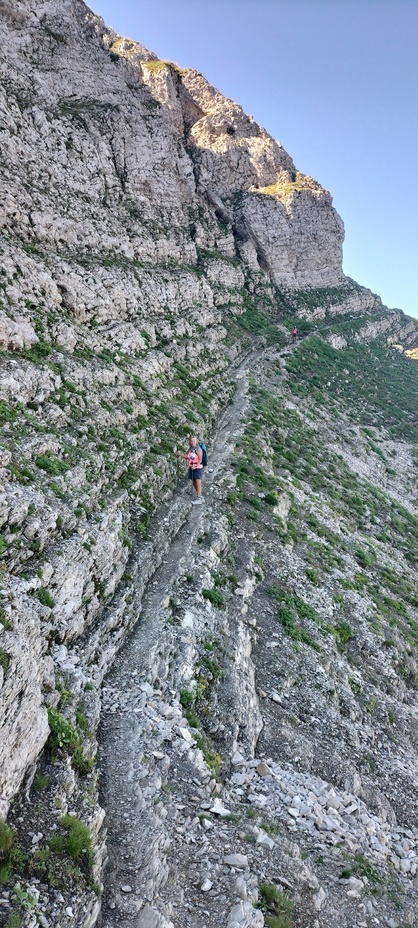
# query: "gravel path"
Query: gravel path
{"points": [[133, 746]]}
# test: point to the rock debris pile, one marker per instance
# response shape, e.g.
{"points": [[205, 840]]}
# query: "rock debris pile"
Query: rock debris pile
{"points": [[315, 806]]}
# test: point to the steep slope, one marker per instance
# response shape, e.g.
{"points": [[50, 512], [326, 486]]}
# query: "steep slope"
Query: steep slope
{"points": [[151, 233], [284, 623]]}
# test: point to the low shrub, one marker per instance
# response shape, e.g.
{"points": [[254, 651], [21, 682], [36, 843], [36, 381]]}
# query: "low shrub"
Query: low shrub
{"points": [[62, 735], [51, 464], [215, 597]]}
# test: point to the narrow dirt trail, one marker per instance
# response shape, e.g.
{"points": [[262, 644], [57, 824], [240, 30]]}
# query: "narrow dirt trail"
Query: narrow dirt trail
{"points": [[186, 850], [136, 727]]}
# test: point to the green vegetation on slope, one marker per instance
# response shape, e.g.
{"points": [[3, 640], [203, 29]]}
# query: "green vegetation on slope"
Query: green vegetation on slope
{"points": [[377, 385]]}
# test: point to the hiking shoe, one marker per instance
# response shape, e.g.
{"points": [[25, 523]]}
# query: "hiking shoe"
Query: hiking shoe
{"points": [[198, 501]]}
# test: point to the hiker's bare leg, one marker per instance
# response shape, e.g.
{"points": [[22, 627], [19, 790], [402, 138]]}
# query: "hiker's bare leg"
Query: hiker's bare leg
{"points": [[198, 486]]}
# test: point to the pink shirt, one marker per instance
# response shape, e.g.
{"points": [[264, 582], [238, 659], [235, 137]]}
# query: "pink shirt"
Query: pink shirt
{"points": [[193, 460]]}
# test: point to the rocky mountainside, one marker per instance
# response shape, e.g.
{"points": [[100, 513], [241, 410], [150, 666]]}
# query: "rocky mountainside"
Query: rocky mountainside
{"points": [[157, 247]]}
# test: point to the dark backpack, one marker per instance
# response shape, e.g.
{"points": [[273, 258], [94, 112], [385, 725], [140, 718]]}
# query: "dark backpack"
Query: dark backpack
{"points": [[202, 445]]}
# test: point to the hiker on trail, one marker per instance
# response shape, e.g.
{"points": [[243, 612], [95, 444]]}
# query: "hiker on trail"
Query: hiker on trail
{"points": [[194, 458], [295, 334]]}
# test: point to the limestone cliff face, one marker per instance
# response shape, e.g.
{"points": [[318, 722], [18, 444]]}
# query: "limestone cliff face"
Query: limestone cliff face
{"points": [[99, 144], [141, 212], [283, 222], [135, 200]]}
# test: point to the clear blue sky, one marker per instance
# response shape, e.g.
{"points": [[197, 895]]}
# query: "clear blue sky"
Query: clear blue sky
{"points": [[336, 81]]}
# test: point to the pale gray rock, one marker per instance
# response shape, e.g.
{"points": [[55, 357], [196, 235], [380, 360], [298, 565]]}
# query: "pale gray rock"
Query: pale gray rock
{"points": [[244, 915], [319, 898], [240, 861]]}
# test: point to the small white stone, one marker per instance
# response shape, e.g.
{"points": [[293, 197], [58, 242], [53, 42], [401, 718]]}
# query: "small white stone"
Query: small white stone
{"points": [[405, 865], [263, 770], [185, 734], [219, 809], [240, 861], [319, 898], [237, 759], [265, 841]]}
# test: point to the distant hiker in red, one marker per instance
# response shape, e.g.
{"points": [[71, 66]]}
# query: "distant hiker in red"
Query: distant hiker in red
{"points": [[295, 334], [194, 458]]}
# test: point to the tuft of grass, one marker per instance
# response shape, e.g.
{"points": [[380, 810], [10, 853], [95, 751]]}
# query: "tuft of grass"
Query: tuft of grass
{"points": [[186, 698], [312, 575], [215, 597], [45, 598], [41, 781], [77, 840], [7, 625], [365, 558], [293, 610], [212, 759], [4, 661], [276, 906], [7, 837], [51, 464], [13, 920], [343, 632], [363, 866], [7, 413], [66, 858]]}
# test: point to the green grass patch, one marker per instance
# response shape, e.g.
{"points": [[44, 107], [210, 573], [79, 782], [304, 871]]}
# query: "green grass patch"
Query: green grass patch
{"points": [[4, 661], [45, 597], [7, 413], [215, 597], [51, 464], [379, 387], [276, 905]]}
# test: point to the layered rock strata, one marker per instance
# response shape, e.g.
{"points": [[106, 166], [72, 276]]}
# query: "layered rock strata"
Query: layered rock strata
{"points": [[148, 229]]}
